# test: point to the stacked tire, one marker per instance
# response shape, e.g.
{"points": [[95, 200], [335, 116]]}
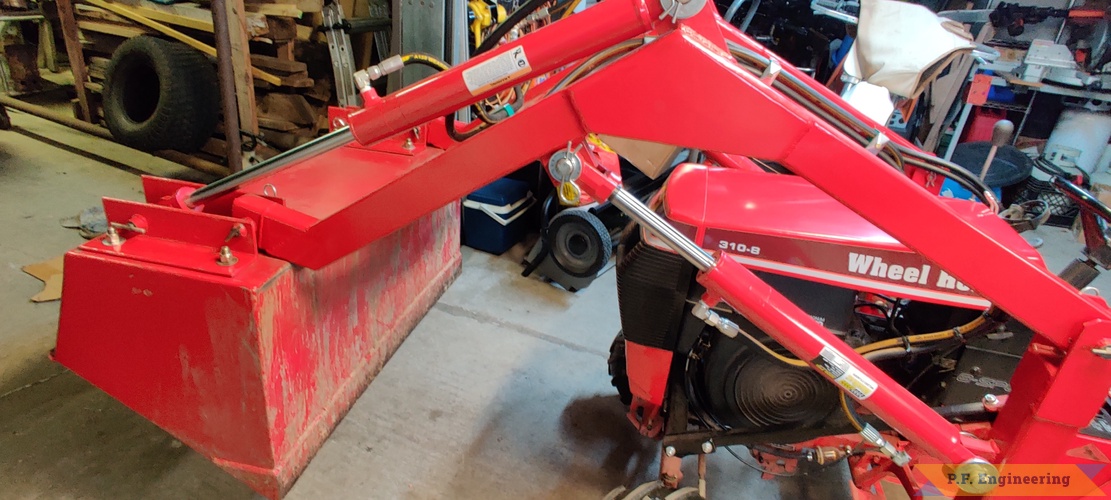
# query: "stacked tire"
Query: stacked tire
{"points": [[160, 94]]}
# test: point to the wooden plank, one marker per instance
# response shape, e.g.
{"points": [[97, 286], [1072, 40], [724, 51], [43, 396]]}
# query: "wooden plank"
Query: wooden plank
{"points": [[48, 53], [285, 51], [305, 33], [289, 140], [298, 81], [310, 5], [88, 12], [275, 124], [76, 57], [191, 16], [100, 43], [175, 34], [241, 62], [280, 29], [946, 90], [278, 66], [292, 108], [276, 9], [98, 67], [119, 30]]}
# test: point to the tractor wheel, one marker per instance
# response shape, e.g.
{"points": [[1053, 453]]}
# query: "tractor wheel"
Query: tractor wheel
{"points": [[619, 377], [580, 244], [653, 490], [160, 94]]}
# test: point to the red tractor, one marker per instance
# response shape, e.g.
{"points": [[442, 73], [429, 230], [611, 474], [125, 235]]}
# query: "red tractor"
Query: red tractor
{"points": [[798, 287]]}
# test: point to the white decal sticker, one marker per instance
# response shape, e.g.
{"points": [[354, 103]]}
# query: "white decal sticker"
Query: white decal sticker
{"points": [[496, 71], [845, 374]]}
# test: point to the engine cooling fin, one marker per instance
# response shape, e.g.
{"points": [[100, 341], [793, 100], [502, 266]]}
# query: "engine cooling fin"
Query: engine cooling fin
{"points": [[653, 288]]}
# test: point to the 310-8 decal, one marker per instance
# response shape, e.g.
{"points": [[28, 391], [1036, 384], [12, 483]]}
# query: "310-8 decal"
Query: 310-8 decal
{"points": [[738, 247]]}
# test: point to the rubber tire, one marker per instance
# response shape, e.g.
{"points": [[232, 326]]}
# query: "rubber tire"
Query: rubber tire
{"points": [[619, 375], [579, 226], [160, 94]]}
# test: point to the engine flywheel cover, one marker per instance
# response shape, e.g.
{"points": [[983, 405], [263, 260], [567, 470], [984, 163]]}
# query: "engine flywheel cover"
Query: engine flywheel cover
{"points": [[746, 388]]}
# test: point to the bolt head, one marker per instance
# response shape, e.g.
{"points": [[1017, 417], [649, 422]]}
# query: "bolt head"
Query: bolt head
{"points": [[669, 451], [707, 447], [990, 402]]}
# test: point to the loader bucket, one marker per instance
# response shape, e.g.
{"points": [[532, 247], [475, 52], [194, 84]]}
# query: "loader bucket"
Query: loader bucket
{"points": [[251, 364]]}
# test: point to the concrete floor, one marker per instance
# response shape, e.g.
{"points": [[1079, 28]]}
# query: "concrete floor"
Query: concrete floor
{"points": [[500, 392]]}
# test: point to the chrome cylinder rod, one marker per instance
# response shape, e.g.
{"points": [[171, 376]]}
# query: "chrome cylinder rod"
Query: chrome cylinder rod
{"points": [[335, 139], [644, 216]]}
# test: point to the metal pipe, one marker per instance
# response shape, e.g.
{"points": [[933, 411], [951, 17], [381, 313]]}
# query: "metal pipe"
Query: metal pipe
{"points": [[644, 216], [751, 14], [226, 73], [98, 131], [335, 139], [732, 11]]}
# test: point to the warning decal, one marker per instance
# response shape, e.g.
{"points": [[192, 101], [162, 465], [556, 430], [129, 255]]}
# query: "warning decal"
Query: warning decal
{"points": [[845, 374], [489, 74]]}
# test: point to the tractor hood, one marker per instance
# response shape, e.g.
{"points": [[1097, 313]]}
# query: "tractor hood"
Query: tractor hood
{"points": [[785, 225]]}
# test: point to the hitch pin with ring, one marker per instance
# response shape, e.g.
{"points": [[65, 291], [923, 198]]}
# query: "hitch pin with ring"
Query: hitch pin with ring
{"points": [[565, 168]]}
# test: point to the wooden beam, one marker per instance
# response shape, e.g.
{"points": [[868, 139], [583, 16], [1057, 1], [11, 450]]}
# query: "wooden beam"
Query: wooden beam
{"points": [[285, 51], [280, 29], [175, 34], [75, 55], [88, 12], [119, 30], [190, 15], [305, 32], [241, 62], [276, 9], [277, 65]]}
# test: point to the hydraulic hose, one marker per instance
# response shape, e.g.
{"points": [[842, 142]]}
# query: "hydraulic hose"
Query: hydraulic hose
{"points": [[852, 126], [910, 340], [506, 26], [425, 60], [422, 59]]}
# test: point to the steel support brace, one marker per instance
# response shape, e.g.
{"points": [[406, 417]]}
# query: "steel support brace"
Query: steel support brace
{"points": [[1059, 397]]}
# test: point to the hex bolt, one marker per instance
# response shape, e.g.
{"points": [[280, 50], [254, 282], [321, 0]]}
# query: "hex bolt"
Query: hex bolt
{"points": [[226, 258], [708, 447], [669, 451], [408, 144], [112, 237], [991, 402]]}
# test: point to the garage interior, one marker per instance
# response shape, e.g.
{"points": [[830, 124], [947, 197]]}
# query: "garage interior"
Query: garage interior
{"points": [[338, 303]]}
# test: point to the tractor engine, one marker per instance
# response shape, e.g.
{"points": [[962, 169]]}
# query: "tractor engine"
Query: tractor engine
{"points": [[847, 275], [734, 384]]}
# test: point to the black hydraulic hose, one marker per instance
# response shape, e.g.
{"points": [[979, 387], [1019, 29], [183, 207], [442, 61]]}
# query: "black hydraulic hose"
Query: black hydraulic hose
{"points": [[855, 128], [430, 61], [506, 26]]}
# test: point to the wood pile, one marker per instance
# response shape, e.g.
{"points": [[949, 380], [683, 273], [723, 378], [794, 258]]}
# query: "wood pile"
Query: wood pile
{"points": [[289, 102]]}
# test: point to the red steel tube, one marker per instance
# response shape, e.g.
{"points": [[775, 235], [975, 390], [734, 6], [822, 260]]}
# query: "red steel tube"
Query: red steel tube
{"points": [[799, 333], [582, 35]]}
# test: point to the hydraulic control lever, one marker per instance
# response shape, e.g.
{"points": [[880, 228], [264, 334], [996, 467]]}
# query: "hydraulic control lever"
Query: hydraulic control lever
{"points": [[1000, 136]]}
